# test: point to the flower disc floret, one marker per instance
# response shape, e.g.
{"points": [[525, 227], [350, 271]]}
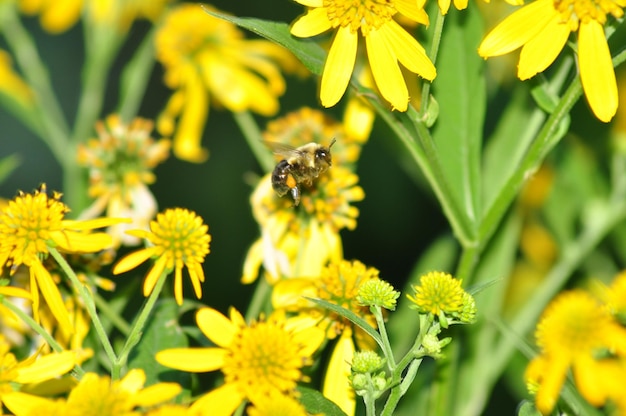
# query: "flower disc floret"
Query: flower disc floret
{"points": [[179, 239]]}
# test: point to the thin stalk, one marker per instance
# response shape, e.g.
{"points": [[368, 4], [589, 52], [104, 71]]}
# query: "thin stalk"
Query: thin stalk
{"points": [[432, 54], [78, 370], [137, 328], [88, 301], [377, 312], [253, 136], [117, 321], [259, 299]]}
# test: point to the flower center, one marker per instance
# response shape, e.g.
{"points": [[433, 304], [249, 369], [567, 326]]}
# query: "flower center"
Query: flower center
{"points": [[182, 236], [26, 223], [363, 14], [264, 358], [576, 11]]}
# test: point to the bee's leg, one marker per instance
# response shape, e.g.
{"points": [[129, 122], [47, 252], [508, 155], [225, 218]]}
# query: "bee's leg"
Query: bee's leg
{"points": [[295, 194]]}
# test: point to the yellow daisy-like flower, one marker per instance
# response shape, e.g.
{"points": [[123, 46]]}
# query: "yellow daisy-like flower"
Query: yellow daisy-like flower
{"points": [[542, 28], [57, 16], [178, 239], [297, 241], [573, 329], [387, 43], [441, 295], [98, 395], [120, 163], [258, 360], [29, 225], [209, 58], [31, 370], [339, 284]]}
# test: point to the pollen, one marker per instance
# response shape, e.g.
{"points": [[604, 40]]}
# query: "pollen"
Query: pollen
{"points": [[264, 359], [359, 14], [576, 11]]}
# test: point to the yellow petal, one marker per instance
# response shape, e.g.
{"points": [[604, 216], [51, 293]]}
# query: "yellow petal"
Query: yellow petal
{"points": [[178, 286], [517, 29], [311, 3], [412, 10], [596, 70], [222, 401], [14, 291], [46, 367], [155, 394], [79, 242], [133, 381], [408, 51], [133, 260], [197, 360], [444, 6], [94, 223], [24, 404], [385, 69], [61, 16], [338, 67], [310, 339], [290, 293], [336, 384], [252, 263], [188, 137], [538, 53], [155, 273], [53, 298], [311, 24], [460, 4], [216, 326]]}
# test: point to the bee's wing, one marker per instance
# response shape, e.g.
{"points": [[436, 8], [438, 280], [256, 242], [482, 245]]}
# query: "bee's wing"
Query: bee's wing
{"points": [[283, 150]]}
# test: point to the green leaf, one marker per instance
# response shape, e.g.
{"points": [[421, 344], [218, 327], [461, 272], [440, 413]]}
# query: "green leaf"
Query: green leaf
{"points": [[309, 53], [460, 90], [352, 317], [315, 403], [8, 165], [161, 332], [528, 409]]}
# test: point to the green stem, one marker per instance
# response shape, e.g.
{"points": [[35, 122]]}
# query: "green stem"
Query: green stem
{"points": [[24, 317], [253, 136], [259, 299], [140, 322], [117, 321], [377, 312], [88, 301], [49, 113], [434, 50]]}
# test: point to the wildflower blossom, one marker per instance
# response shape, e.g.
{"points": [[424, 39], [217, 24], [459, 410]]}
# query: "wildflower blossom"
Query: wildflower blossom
{"points": [[441, 295], [178, 239], [259, 360], [95, 394], [377, 292], [573, 330], [385, 40], [310, 232], [120, 163], [32, 223], [338, 283], [207, 58], [542, 28], [277, 405], [32, 369]]}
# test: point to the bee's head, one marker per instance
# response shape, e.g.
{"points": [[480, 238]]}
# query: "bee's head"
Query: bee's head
{"points": [[322, 154]]}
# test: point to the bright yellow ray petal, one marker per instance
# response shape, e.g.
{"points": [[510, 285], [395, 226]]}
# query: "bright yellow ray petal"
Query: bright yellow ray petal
{"points": [[80, 242], [188, 137], [538, 53], [517, 29], [178, 286], [336, 384], [153, 275], [24, 404], [133, 381], [412, 10], [253, 261], [444, 6], [216, 326], [53, 298], [196, 278], [197, 360], [460, 4], [386, 71], [311, 24], [408, 51], [133, 260], [338, 67], [596, 70], [222, 401], [93, 224], [46, 367]]}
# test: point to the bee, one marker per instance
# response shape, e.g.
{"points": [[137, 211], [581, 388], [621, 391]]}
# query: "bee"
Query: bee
{"points": [[301, 165]]}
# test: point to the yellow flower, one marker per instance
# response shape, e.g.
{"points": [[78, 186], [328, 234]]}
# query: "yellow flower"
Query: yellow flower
{"points": [[209, 58], [120, 163], [277, 405], [572, 331], [57, 16], [542, 29], [387, 43], [29, 225], [98, 395], [178, 239], [298, 241], [12, 84], [441, 295], [258, 360], [338, 283], [32, 369]]}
